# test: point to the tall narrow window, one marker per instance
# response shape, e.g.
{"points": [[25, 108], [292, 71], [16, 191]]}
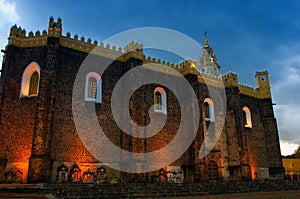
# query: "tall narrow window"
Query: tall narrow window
{"points": [[30, 80], [93, 87], [247, 117], [208, 110], [244, 118], [158, 103], [34, 82], [160, 100]]}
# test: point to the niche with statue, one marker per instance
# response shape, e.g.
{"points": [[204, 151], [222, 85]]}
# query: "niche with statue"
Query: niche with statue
{"points": [[62, 174], [9, 177], [88, 176], [75, 174], [101, 176]]}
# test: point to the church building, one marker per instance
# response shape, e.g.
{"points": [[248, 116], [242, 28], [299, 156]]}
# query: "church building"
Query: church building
{"points": [[39, 141]]}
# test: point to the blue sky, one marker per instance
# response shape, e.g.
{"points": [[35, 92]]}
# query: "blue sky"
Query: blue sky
{"points": [[247, 36]]}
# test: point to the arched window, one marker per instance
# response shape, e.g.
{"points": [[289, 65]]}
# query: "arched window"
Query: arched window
{"points": [[30, 80], [93, 87], [160, 100], [34, 83], [247, 117], [208, 110]]}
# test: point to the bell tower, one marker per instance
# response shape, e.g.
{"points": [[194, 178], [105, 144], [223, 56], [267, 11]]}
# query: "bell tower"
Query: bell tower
{"points": [[208, 61]]}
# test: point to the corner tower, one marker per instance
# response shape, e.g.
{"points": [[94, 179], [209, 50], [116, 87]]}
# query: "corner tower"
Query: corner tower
{"points": [[263, 84], [55, 27]]}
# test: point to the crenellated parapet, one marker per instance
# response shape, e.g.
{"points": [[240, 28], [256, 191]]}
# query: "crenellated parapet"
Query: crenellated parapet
{"points": [[133, 46], [248, 90], [149, 59], [188, 63], [188, 66], [185, 67], [89, 46], [17, 32], [230, 79], [262, 91], [19, 38], [158, 67], [207, 72]]}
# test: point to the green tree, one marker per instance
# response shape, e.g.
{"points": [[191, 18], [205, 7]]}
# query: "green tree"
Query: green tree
{"points": [[297, 153]]}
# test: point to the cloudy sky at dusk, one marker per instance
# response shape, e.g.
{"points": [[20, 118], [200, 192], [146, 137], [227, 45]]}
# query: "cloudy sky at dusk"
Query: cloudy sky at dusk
{"points": [[247, 36]]}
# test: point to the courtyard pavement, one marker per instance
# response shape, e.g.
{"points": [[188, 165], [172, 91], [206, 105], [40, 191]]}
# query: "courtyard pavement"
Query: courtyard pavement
{"points": [[290, 194]]}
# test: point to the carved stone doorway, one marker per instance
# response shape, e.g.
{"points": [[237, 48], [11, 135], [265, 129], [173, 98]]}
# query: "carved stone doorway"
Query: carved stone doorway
{"points": [[212, 171]]}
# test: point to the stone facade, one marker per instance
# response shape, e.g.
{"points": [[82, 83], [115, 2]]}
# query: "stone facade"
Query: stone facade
{"points": [[40, 143]]}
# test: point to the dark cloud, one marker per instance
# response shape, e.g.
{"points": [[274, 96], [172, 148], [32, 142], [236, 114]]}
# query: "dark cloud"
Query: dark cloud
{"points": [[286, 92]]}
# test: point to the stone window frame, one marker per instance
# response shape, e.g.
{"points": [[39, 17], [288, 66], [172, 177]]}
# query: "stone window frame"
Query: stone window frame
{"points": [[248, 119], [163, 101], [98, 78], [211, 110], [26, 78]]}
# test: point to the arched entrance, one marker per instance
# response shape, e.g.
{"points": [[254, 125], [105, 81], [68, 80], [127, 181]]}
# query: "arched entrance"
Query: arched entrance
{"points": [[212, 171]]}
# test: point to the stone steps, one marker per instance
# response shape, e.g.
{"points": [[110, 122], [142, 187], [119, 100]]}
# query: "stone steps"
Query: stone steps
{"points": [[24, 196], [145, 190]]}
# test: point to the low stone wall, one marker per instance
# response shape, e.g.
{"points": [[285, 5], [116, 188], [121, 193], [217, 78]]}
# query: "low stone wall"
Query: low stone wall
{"points": [[135, 190]]}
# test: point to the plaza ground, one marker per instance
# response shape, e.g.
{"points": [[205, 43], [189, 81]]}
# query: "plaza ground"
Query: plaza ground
{"points": [[248, 190], [290, 194]]}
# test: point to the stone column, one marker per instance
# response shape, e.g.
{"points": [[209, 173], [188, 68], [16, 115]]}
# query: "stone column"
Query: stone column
{"points": [[39, 163]]}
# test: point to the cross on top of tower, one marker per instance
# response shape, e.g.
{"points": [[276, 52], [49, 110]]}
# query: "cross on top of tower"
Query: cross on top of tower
{"points": [[205, 38]]}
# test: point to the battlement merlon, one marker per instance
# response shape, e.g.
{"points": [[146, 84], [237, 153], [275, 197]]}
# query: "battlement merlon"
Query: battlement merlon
{"points": [[55, 27], [188, 63], [133, 46], [230, 79], [17, 32], [20, 33]]}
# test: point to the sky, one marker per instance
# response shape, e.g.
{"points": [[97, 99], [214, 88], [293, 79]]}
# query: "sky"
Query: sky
{"points": [[247, 36]]}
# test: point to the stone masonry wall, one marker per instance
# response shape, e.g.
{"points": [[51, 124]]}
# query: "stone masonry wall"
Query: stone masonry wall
{"points": [[54, 130], [18, 114]]}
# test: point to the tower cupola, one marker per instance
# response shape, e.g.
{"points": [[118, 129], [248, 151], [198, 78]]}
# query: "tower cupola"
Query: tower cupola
{"points": [[208, 60]]}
